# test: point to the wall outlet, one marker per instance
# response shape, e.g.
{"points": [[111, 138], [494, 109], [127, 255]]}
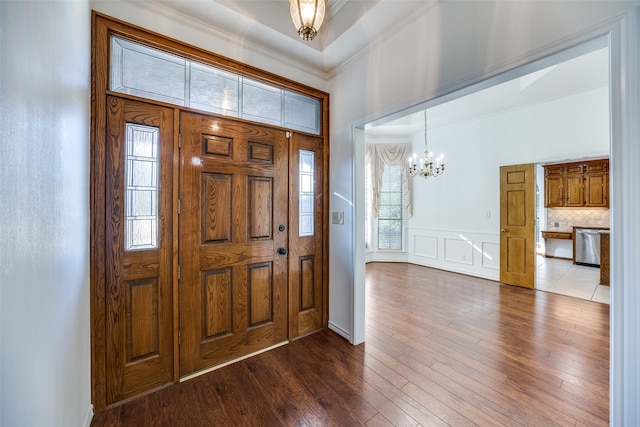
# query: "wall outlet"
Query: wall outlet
{"points": [[337, 217]]}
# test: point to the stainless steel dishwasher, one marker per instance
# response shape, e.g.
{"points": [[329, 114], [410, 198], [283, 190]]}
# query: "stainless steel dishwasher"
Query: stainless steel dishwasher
{"points": [[588, 247]]}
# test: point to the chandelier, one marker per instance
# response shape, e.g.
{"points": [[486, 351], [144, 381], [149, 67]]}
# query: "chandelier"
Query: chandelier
{"points": [[307, 16], [427, 166]]}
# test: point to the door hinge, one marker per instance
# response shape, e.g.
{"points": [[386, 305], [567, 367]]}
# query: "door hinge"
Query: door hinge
{"points": [[178, 206], [178, 271], [179, 140], [179, 336], [288, 134]]}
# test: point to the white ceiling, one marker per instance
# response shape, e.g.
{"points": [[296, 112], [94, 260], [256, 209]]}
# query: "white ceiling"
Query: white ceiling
{"points": [[348, 28], [579, 74], [352, 25]]}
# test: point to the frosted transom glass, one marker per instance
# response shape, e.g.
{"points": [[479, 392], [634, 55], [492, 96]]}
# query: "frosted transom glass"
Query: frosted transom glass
{"points": [[141, 187], [214, 90], [150, 73], [301, 112], [305, 193], [261, 102]]}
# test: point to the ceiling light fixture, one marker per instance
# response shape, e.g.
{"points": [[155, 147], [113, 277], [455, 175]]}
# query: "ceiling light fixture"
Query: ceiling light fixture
{"points": [[427, 167], [307, 16]]}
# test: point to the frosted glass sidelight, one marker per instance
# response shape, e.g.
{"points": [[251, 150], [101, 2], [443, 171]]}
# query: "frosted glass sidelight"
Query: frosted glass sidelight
{"points": [[305, 193], [141, 187], [150, 73]]}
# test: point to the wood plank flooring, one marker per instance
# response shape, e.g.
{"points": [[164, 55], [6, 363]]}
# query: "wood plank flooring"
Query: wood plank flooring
{"points": [[441, 349]]}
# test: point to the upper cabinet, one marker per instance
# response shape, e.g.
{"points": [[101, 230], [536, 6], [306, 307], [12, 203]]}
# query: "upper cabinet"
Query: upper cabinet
{"points": [[577, 184], [554, 186]]}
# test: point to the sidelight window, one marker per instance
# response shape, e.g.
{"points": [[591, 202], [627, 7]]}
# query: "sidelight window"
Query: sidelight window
{"points": [[306, 193], [141, 187]]}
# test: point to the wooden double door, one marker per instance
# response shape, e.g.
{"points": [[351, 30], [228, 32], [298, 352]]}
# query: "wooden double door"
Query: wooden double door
{"points": [[235, 214]]}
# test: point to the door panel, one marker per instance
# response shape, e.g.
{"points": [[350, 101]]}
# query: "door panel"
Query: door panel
{"points": [[575, 190], [139, 317], [306, 297], [233, 197], [597, 186], [517, 225]]}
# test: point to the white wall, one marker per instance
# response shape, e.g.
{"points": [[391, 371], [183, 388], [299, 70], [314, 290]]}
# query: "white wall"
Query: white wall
{"points": [[460, 43], [457, 215], [44, 212]]}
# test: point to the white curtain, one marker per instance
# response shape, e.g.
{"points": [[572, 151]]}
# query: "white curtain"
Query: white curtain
{"points": [[379, 155]]}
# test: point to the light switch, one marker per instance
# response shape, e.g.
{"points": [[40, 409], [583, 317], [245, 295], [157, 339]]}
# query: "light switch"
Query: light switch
{"points": [[337, 217]]}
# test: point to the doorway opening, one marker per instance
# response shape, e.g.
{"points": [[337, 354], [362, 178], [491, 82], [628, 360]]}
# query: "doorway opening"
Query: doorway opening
{"points": [[552, 110]]}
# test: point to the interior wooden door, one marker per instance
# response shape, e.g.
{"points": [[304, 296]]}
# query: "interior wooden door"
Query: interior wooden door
{"points": [[139, 248], [306, 296], [233, 240], [517, 225]]}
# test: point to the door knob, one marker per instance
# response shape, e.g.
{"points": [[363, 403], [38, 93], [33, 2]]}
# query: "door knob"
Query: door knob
{"points": [[504, 230], [282, 251]]}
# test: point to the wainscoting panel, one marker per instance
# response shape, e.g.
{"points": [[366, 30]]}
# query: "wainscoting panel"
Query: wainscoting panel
{"points": [[458, 250], [426, 246], [491, 255], [475, 254]]}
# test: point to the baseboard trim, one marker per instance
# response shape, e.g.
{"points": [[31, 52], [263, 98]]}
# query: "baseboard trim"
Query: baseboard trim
{"points": [[340, 331], [88, 416]]}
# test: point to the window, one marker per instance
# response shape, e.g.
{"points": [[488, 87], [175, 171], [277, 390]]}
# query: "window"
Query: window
{"points": [[306, 211], [141, 187], [390, 215], [367, 206], [153, 74]]}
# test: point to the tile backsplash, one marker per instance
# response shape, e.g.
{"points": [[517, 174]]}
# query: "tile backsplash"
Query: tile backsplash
{"points": [[565, 218]]}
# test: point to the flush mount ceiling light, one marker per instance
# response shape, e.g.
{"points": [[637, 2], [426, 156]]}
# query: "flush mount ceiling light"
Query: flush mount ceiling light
{"points": [[307, 16]]}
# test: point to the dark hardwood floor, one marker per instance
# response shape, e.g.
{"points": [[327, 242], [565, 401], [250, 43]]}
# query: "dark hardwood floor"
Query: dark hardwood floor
{"points": [[441, 349]]}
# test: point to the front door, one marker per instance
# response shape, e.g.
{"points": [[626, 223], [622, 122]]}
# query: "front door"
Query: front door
{"points": [[233, 240], [138, 247], [517, 225]]}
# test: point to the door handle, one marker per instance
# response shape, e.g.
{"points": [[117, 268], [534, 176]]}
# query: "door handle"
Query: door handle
{"points": [[504, 230], [282, 251]]}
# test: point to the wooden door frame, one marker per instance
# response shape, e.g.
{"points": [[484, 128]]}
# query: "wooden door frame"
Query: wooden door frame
{"points": [[102, 28]]}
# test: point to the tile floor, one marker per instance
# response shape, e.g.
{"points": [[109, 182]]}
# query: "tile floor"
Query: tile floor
{"points": [[563, 277]]}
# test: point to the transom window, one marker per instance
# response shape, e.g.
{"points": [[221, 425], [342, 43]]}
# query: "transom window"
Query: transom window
{"points": [[153, 74]]}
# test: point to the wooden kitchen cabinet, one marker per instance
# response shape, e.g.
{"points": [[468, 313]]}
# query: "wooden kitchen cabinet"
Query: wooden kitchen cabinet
{"points": [[596, 184], [574, 195], [605, 257], [577, 184], [553, 186]]}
